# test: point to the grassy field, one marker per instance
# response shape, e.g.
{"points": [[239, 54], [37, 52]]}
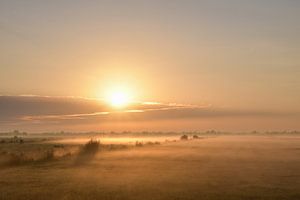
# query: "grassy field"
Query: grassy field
{"points": [[222, 167]]}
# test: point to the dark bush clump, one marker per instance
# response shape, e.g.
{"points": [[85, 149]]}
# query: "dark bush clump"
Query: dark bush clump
{"points": [[184, 137], [88, 152], [138, 144], [150, 143], [91, 147], [15, 139], [113, 147]]}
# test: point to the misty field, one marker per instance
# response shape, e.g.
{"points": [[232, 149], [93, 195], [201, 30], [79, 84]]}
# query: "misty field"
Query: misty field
{"points": [[219, 167]]}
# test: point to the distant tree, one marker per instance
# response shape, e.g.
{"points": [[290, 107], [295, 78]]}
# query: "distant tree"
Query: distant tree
{"points": [[195, 137], [138, 144], [184, 137]]}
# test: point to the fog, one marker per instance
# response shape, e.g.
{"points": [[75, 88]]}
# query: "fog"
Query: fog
{"points": [[218, 167]]}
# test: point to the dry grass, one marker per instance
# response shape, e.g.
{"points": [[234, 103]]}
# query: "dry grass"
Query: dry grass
{"points": [[16, 154], [226, 167], [12, 153]]}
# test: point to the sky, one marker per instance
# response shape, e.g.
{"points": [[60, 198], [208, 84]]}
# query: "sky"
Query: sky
{"points": [[228, 65]]}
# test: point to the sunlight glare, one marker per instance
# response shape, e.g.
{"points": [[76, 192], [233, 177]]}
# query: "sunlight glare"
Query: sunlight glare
{"points": [[119, 98]]}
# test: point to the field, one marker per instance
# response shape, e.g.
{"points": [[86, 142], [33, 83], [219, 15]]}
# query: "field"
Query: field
{"points": [[212, 167]]}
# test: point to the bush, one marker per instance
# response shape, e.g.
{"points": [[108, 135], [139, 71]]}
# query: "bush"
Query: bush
{"points": [[150, 143], [195, 137], [91, 147], [184, 137], [113, 147], [15, 139], [138, 144]]}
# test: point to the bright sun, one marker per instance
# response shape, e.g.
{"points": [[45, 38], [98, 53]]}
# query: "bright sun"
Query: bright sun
{"points": [[119, 98]]}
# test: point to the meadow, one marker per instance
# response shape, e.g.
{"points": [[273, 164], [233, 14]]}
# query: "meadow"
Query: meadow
{"points": [[224, 166]]}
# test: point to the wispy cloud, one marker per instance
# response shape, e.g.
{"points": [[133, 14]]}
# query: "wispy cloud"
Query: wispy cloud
{"points": [[31, 109]]}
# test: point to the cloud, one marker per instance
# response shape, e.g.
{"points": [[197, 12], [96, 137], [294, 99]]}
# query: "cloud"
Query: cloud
{"points": [[76, 110], [17, 106], [45, 108]]}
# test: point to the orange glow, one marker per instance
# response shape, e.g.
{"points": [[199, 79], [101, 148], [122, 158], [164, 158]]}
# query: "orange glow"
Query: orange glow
{"points": [[119, 97]]}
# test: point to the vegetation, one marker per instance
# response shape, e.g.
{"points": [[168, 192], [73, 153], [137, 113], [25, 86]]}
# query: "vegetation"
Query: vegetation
{"points": [[184, 137], [196, 137], [91, 147], [177, 170], [139, 144]]}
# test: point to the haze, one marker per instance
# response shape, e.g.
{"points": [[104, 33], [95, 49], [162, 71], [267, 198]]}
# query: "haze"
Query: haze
{"points": [[237, 59]]}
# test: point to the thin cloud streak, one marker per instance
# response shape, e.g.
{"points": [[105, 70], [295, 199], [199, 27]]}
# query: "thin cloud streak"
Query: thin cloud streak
{"points": [[66, 111], [164, 107]]}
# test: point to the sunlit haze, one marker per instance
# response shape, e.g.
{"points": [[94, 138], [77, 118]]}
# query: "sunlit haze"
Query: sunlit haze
{"points": [[119, 97], [231, 60], [150, 99]]}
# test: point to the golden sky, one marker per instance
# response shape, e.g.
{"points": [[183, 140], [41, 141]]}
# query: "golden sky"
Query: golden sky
{"points": [[234, 58]]}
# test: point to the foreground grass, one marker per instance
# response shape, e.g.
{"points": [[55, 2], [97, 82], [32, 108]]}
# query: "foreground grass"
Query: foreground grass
{"points": [[34, 152], [216, 168]]}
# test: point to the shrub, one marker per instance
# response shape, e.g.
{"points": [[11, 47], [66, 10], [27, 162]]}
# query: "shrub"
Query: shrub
{"points": [[91, 147], [88, 152], [195, 137], [184, 137], [112, 147], [138, 144], [15, 139], [150, 143]]}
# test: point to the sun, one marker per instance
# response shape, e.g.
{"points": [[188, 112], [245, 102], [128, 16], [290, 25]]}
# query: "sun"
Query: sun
{"points": [[119, 98]]}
